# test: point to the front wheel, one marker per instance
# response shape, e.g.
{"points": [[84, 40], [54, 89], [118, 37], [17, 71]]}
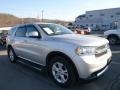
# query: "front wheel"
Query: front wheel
{"points": [[62, 72]]}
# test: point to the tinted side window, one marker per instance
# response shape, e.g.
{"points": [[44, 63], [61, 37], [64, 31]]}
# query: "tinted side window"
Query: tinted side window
{"points": [[31, 28], [21, 32]]}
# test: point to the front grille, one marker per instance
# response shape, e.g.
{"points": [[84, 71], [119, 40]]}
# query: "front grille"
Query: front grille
{"points": [[101, 50], [95, 74]]}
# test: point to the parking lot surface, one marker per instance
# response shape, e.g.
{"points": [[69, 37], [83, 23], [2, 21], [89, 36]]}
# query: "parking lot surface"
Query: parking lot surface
{"points": [[22, 77]]}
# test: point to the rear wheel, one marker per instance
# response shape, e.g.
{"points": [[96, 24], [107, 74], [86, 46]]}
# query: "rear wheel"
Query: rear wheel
{"points": [[62, 72], [4, 44], [113, 40], [12, 56]]}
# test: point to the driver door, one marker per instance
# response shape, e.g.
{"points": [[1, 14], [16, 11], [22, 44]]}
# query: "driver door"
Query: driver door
{"points": [[33, 43]]}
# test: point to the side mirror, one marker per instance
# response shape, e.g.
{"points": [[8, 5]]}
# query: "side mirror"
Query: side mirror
{"points": [[33, 34]]}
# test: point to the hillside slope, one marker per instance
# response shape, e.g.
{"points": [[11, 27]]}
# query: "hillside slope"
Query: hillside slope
{"points": [[11, 20]]}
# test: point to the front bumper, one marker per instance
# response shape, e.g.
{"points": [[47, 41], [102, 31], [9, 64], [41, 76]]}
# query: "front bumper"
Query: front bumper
{"points": [[97, 73], [89, 67]]}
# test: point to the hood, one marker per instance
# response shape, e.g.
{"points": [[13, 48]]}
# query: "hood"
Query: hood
{"points": [[82, 40]]}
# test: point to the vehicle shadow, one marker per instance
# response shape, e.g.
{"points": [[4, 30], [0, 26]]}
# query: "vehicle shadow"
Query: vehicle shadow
{"points": [[43, 76]]}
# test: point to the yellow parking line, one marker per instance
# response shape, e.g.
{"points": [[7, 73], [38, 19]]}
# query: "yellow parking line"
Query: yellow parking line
{"points": [[3, 53]]}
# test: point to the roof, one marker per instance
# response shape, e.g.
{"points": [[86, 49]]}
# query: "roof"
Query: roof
{"points": [[108, 9]]}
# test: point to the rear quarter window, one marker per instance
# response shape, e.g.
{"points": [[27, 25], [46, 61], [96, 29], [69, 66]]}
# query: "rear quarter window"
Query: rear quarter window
{"points": [[10, 32]]}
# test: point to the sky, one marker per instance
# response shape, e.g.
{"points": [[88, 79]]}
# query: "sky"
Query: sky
{"points": [[54, 9]]}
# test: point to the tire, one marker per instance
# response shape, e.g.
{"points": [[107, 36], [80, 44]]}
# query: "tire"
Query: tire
{"points": [[113, 40], [4, 44], [1, 43], [62, 72], [12, 56]]}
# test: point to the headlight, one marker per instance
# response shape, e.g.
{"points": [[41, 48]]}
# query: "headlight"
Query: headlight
{"points": [[85, 50]]}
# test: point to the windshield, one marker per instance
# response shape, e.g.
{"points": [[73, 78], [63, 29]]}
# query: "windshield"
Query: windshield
{"points": [[54, 29]]}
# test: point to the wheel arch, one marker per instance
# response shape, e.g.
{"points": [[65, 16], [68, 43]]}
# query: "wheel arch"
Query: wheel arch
{"points": [[113, 35], [58, 53], [8, 47]]}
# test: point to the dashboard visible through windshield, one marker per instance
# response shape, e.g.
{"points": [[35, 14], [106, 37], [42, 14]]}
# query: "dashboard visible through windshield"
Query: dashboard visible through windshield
{"points": [[54, 29]]}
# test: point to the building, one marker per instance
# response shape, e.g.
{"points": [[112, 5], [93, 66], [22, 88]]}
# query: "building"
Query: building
{"points": [[99, 19]]}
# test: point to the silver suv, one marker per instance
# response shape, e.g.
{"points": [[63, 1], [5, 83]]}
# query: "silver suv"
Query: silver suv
{"points": [[67, 56]]}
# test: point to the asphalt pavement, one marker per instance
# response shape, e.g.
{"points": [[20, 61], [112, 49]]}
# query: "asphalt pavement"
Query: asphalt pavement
{"points": [[22, 77]]}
